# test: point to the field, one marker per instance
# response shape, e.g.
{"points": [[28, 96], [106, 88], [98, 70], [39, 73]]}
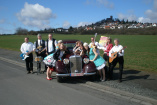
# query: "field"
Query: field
{"points": [[141, 53]]}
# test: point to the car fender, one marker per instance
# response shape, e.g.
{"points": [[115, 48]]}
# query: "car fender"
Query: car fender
{"points": [[60, 67], [89, 68]]}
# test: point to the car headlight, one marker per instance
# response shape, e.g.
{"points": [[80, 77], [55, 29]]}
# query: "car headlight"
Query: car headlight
{"points": [[86, 60], [66, 61]]}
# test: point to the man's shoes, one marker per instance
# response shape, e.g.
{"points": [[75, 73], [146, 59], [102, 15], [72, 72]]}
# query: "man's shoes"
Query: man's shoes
{"points": [[119, 80], [28, 72], [32, 72]]}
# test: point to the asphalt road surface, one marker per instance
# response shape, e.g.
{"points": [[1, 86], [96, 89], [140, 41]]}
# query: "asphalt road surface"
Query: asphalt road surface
{"points": [[19, 88]]}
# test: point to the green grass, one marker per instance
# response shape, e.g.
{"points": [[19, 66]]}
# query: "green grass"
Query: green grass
{"points": [[141, 53]]}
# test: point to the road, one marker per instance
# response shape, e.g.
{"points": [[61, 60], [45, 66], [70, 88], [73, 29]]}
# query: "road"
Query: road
{"points": [[19, 88]]}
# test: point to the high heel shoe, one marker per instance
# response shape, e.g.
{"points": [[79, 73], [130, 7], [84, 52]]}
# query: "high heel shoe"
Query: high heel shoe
{"points": [[100, 78], [48, 78], [103, 80]]}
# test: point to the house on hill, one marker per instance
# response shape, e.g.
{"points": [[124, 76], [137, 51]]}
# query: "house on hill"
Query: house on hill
{"points": [[107, 27], [154, 25]]}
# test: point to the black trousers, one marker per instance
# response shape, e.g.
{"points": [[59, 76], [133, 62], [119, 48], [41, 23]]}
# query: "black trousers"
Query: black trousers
{"points": [[29, 62], [119, 60], [43, 55], [107, 69]]}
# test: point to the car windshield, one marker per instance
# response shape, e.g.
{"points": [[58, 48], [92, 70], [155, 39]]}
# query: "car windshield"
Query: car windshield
{"points": [[70, 46]]}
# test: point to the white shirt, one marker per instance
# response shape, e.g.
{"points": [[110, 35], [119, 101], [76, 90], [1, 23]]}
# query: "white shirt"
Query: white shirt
{"points": [[39, 42], [27, 47], [50, 46], [117, 49], [34, 47]]}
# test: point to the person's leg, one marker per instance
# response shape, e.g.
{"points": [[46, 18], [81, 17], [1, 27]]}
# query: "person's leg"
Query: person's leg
{"points": [[44, 55], [50, 73], [31, 62], [106, 68], [27, 66], [103, 72], [121, 63], [100, 74], [113, 64], [47, 73]]}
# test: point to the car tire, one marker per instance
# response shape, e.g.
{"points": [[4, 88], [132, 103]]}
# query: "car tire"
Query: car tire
{"points": [[59, 79], [92, 77]]}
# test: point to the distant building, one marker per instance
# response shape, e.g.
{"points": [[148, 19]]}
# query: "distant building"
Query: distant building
{"points": [[110, 20], [107, 27], [113, 27], [154, 25], [120, 26], [59, 29], [65, 30], [89, 28]]}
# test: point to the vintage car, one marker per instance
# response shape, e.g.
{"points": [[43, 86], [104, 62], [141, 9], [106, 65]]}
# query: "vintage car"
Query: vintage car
{"points": [[74, 65]]}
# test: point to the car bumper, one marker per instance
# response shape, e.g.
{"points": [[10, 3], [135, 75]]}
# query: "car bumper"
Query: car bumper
{"points": [[68, 75]]}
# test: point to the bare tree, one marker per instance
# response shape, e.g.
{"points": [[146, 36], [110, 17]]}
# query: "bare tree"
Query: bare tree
{"points": [[21, 31]]}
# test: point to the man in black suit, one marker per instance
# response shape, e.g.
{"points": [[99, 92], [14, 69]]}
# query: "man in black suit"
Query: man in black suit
{"points": [[40, 50], [51, 44]]}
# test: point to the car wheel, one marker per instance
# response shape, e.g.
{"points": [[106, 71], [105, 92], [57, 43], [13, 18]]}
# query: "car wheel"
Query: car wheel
{"points": [[59, 79], [92, 77]]}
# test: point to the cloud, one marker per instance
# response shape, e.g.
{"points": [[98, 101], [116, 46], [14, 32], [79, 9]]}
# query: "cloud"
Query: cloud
{"points": [[2, 21], [143, 20], [129, 17], [105, 3], [83, 24], [132, 17], [5, 31], [152, 14], [35, 15], [66, 24], [147, 1], [155, 5]]}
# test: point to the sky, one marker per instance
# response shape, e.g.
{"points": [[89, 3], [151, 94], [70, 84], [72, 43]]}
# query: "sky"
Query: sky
{"points": [[41, 14]]}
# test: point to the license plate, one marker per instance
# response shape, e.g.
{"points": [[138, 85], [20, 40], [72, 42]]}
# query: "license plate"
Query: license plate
{"points": [[76, 74]]}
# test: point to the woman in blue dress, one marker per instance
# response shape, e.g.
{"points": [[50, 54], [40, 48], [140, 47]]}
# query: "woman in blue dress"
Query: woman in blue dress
{"points": [[97, 59]]}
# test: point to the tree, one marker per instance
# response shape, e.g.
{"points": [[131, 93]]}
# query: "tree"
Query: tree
{"points": [[32, 32], [70, 29], [21, 31], [123, 21], [127, 21]]}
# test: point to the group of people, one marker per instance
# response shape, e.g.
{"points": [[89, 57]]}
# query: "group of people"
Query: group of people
{"points": [[92, 50], [50, 48], [55, 50]]}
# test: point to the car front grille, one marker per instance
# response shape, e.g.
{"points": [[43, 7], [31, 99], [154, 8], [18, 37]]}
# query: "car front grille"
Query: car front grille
{"points": [[75, 64]]}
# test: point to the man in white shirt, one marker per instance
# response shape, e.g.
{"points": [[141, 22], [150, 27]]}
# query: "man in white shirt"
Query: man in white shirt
{"points": [[117, 48], [40, 51], [51, 45], [27, 48]]}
